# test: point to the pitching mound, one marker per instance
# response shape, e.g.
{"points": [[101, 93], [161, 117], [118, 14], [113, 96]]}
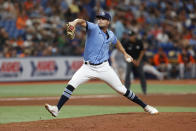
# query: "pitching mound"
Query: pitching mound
{"points": [[115, 122]]}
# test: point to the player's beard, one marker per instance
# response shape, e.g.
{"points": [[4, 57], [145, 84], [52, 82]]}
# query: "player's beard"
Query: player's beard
{"points": [[101, 27]]}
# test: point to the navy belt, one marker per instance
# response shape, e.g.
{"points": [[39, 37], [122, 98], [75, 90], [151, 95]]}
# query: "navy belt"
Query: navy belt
{"points": [[86, 62]]}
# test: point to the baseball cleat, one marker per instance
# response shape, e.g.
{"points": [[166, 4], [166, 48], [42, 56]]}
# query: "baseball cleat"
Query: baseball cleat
{"points": [[52, 109], [151, 110]]}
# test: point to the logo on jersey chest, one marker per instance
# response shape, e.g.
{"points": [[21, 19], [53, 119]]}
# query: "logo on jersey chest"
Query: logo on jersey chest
{"points": [[137, 47]]}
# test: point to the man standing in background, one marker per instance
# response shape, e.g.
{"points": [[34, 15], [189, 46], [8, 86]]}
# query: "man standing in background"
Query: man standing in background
{"points": [[134, 47]]}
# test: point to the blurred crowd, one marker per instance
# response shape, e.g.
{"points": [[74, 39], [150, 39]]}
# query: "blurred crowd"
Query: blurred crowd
{"points": [[36, 27]]}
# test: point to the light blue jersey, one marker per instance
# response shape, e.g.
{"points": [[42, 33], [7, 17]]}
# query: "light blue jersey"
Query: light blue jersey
{"points": [[97, 44]]}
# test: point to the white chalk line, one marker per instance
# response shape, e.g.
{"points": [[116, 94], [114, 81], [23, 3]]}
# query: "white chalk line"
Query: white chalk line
{"points": [[55, 98], [76, 97]]}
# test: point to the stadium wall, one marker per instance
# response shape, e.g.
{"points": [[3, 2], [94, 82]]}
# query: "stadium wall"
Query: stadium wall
{"points": [[38, 68]]}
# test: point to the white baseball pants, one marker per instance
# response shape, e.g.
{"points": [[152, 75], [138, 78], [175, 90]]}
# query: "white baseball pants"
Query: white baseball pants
{"points": [[103, 72]]}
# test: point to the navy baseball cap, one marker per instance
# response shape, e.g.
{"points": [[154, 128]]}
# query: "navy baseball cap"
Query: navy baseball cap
{"points": [[104, 15]]}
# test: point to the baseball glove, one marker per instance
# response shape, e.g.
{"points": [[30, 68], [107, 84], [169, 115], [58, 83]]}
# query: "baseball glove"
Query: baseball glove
{"points": [[70, 31]]}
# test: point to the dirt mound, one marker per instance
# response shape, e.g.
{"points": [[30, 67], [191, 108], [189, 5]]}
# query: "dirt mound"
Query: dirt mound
{"points": [[115, 122]]}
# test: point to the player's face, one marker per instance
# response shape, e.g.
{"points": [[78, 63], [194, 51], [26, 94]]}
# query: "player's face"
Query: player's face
{"points": [[132, 38], [102, 22]]}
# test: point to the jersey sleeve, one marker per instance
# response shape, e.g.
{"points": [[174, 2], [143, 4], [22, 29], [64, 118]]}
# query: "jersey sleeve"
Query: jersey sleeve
{"points": [[114, 40], [90, 26]]}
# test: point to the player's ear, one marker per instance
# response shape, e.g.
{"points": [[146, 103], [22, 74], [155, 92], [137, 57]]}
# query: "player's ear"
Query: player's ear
{"points": [[108, 22]]}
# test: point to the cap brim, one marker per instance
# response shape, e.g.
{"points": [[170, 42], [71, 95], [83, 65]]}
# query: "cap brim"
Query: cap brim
{"points": [[99, 16]]}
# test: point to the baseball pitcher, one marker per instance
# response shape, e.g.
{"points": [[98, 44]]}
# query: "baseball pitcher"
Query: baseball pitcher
{"points": [[96, 65]]}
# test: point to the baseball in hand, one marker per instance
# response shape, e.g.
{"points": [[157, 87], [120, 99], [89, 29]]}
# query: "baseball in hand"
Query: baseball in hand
{"points": [[128, 59]]}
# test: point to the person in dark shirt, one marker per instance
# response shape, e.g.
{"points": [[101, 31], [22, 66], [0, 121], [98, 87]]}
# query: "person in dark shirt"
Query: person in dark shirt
{"points": [[3, 38], [134, 47]]}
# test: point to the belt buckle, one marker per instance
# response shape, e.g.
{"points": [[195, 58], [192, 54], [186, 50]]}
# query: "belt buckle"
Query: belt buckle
{"points": [[86, 62]]}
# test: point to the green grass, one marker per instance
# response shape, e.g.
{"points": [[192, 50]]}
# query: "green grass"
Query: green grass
{"points": [[86, 89], [10, 114], [32, 113]]}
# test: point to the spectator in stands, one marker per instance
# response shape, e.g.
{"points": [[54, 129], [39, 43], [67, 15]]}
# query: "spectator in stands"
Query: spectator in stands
{"points": [[158, 18], [119, 26], [148, 68], [186, 64], [21, 20], [28, 4], [3, 38], [20, 42], [161, 62]]}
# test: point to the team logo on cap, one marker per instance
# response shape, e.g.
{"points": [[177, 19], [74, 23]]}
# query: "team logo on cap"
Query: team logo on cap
{"points": [[103, 13]]}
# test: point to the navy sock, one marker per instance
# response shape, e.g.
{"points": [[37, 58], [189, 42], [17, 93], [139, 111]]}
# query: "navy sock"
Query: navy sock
{"points": [[131, 96], [65, 96]]}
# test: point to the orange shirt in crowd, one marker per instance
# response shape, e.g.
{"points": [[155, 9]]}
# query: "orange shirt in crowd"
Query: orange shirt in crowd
{"points": [[20, 42], [108, 3], [159, 59], [21, 22], [187, 36], [28, 5], [185, 58], [22, 55], [141, 20], [7, 55]]}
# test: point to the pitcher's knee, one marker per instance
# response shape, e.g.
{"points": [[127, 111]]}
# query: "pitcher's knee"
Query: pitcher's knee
{"points": [[122, 90]]}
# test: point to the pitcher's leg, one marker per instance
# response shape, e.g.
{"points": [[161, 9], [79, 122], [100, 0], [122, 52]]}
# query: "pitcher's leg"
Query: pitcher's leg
{"points": [[113, 80], [131, 96], [78, 78], [81, 76]]}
